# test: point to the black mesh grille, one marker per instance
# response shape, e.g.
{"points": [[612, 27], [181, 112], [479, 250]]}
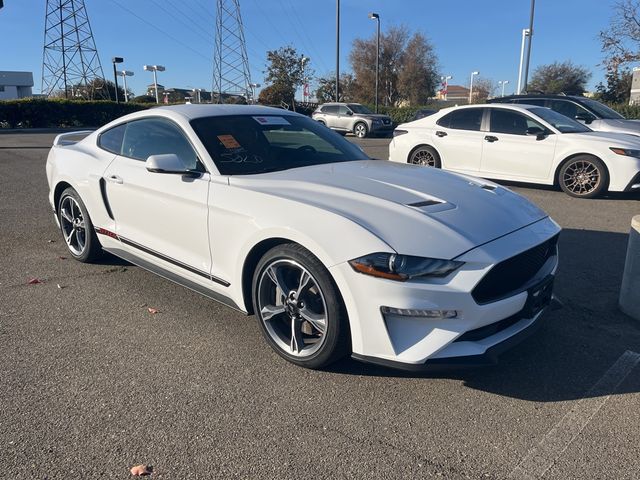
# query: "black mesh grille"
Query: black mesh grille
{"points": [[513, 273]]}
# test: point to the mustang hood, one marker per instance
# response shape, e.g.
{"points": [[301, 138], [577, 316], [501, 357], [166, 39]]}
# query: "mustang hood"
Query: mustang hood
{"points": [[415, 210]]}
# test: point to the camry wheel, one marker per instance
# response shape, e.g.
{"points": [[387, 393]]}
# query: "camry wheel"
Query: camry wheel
{"points": [[583, 177], [360, 130], [76, 227], [426, 156], [299, 307]]}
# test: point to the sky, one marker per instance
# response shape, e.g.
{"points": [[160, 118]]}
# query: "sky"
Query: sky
{"points": [[468, 35]]}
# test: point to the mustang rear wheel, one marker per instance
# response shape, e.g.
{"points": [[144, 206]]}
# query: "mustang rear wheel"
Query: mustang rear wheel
{"points": [[76, 227], [583, 176], [425, 155], [299, 307]]}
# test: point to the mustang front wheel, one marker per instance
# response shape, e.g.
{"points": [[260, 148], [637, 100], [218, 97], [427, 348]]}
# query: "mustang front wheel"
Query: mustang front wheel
{"points": [[76, 227], [299, 307]]}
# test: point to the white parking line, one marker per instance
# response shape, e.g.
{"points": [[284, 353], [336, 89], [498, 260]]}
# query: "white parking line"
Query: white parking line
{"points": [[541, 457]]}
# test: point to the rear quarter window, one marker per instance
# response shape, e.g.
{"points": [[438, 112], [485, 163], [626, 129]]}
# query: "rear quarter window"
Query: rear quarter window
{"points": [[111, 140]]}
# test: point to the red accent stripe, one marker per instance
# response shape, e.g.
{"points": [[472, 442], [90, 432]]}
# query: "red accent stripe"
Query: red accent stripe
{"points": [[108, 233]]}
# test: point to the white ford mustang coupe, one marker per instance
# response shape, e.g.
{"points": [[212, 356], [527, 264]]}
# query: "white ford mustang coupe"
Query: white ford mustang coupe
{"points": [[524, 143], [272, 213]]}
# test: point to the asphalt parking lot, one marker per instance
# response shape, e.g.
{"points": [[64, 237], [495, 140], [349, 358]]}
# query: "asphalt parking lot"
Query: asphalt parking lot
{"points": [[92, 383]]}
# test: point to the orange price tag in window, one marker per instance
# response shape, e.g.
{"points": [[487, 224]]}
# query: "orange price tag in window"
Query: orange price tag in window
{"points": [[229, 142]]}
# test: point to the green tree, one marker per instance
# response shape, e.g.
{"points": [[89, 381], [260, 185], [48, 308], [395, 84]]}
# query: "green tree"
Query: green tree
{"points": [[617, 88], [560, 77], [284, 73]]}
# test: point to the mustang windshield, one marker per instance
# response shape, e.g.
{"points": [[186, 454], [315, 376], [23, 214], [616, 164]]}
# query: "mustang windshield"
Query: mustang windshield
{"points": [[251, 144], [559, 121]]}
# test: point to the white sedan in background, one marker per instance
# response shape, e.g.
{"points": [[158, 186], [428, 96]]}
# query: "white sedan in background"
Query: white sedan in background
{"points": [[272, 213], [523, 143]]}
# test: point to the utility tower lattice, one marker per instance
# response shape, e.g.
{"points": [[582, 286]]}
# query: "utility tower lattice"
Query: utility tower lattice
{"points": [[70, 62], [231, 65]]}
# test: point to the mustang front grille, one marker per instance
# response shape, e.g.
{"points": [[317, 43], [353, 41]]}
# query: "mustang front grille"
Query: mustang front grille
{"points": [[512, 274]]}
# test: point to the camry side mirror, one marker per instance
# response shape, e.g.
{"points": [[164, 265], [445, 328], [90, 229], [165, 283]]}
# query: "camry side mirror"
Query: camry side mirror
{"points": [[167, 163], [537, 132], [585, 117], [349, 112]]}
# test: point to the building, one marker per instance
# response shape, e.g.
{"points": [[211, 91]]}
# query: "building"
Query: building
{"points": [[15, 85], [455, 93]]}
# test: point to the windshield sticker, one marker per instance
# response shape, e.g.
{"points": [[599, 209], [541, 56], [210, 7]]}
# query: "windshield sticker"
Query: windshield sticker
{"points": [[229, 142], [271, 120]]}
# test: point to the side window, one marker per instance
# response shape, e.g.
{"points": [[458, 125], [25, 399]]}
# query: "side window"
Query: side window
{"points": [[342, 110], [567, 108], [464, 119], [156, 136], [514, 123], [111, 140], [330, 109]]}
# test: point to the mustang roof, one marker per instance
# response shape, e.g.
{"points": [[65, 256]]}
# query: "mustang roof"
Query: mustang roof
{"points": [[192, 111]]}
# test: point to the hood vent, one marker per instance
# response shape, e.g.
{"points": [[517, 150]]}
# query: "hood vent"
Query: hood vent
{"points": [[425, 203]]}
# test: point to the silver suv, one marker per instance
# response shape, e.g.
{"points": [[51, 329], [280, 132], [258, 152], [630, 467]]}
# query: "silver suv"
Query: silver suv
{"points": [[352, 118]]}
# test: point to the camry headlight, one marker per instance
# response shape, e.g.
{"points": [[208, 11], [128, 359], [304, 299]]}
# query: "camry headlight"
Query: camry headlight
{"points": [[403, 267], [627, 152]]}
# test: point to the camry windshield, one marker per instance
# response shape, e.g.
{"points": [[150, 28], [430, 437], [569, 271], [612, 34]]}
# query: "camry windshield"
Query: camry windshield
{"points": [[559, 121], [357, 108], [601, 110], [251, 144]]}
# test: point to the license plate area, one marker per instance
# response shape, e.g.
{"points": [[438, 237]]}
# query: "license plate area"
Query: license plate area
{"points": [[539, 297]]}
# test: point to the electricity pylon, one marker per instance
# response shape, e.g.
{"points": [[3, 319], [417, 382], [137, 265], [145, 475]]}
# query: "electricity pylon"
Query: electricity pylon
{"points": [[70, 62], [231, 65]]}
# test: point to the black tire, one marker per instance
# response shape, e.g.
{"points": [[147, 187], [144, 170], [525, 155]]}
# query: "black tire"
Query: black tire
{"points": [[322, 348], [583, 176], [361, 130], [76, 227], [425, 155], [321, 122]]}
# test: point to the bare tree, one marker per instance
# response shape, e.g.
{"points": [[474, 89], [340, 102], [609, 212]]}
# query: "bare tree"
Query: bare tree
{"points": [[483, 88], [407, 67], [326, 91], [621, 41]]}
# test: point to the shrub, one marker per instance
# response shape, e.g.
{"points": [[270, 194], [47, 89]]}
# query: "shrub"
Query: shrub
{"points": [[44, 113]]}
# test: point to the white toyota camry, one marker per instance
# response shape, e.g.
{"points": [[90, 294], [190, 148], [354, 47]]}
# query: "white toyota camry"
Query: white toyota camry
{"points": [[272, 213], [524, 143]]}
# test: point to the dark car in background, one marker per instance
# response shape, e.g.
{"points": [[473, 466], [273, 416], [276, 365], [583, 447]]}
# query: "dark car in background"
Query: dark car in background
{"points": [[592, 113]]}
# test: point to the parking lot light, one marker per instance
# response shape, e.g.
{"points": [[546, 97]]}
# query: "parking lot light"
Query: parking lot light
{"points": [[473, 74], [115, 60], [155, 69], [375, 16], [503, 83], [124, 74]]}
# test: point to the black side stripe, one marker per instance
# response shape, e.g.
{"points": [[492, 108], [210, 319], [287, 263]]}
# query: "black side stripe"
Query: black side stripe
{"points": [[173, 261]]}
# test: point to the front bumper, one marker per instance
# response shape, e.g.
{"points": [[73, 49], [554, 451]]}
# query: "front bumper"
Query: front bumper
{"points": [[418, 341]]}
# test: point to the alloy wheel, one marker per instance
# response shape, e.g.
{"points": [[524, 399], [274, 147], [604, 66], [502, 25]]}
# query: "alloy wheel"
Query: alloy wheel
{"points": [[423, 157], [581, 177], [72, 224], [361, 130], [292, 307]]}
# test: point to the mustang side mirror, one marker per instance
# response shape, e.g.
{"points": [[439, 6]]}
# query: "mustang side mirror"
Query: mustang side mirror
{"points": [[167, 163]]}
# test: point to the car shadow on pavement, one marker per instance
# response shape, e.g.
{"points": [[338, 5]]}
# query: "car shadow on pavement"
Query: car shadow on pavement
{"points": [[633, 195], [574, 347]]}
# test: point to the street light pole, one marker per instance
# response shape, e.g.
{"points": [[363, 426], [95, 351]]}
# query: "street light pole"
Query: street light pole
{"points": [[377, 18], [155, 69], [337, 50], [302, 61], [526, 68], [124, 74], [445, 82], [525, 34], [473, 74], [503, 83], [115, 60]]}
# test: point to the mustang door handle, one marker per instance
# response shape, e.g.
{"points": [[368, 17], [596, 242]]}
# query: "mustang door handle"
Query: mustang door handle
{"points": [[441, 134], [491, 138], [114, 179]]}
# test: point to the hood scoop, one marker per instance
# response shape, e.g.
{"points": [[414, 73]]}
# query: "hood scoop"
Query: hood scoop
{"points": [[431, 206], [426, 203]]}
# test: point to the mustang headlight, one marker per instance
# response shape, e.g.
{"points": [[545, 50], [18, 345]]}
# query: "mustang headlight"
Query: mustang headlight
{"points": [[627, 152], [403, 267]]}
